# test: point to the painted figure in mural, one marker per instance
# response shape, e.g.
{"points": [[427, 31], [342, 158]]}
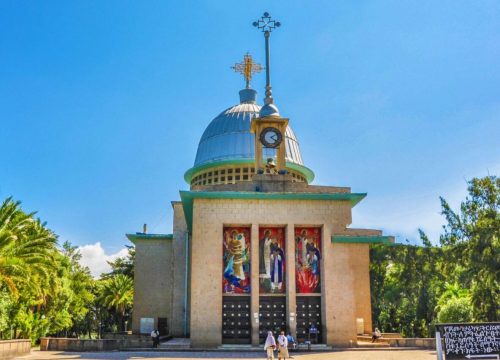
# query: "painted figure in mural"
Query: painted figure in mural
{"points": [[236, 247], [277, 257], [303, 242], [312, 262], [313, 253], [265, 255], [307, 260], [236, 258]]}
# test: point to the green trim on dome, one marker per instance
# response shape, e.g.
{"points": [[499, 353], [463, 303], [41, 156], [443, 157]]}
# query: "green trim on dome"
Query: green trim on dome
{"points": [[304, 170], [188, 175]]}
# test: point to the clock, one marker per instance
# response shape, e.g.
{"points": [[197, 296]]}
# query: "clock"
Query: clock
{"points": [[271, 137]]}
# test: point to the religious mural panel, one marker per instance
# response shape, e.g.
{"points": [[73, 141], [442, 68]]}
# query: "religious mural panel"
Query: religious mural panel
{"points": [[272, 260], [236, 258], [307, 260]]}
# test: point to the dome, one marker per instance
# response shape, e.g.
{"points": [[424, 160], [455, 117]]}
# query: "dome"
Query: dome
{"points": [[228, 139]]}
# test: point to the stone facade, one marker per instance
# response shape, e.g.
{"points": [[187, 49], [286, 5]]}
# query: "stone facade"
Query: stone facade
{"points": [[185, 269], [153, 281], [345, 276]]}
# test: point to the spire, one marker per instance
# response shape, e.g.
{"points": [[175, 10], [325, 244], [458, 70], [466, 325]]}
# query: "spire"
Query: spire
{"points": [[267, 25]]}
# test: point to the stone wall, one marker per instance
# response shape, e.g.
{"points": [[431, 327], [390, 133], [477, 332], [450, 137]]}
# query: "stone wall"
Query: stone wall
{"points": [[153, 281], [427, 343], [345, 277], [79, 345], [10, 349]]}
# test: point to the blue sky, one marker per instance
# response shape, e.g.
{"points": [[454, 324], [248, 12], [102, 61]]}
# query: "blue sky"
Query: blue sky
{"points": [[102, 103]]}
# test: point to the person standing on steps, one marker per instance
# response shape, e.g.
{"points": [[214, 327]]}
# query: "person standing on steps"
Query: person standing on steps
{"points": [[155, 336], [270, 345], [282, 346]]}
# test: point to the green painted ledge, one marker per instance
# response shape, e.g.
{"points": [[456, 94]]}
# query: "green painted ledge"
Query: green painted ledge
{"points": [[362, 239], [141, 236], [187, 198], [308, 173]]}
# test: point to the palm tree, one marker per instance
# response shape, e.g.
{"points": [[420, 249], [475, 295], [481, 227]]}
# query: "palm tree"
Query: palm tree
{"points": [[26, 248], [118, 293]]}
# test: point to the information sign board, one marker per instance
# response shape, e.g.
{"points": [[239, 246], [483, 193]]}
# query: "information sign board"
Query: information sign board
{"points": [[470, 340]]}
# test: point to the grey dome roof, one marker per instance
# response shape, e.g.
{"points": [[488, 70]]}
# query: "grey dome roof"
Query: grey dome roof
{"points": [[228, 136]]}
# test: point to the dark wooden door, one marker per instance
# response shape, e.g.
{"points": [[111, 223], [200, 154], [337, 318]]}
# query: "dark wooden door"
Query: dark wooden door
{"points": [[272, 315], [308, 313], [236, 320], [163, 326]]}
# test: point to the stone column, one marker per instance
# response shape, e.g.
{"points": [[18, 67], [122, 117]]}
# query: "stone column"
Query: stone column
{"points": [[254, 273], [291, 303]]}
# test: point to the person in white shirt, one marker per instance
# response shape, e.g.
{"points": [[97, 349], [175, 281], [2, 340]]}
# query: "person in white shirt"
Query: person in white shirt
{"points": [[282, 346], [376, 335], [270, 345], [155, 335]]}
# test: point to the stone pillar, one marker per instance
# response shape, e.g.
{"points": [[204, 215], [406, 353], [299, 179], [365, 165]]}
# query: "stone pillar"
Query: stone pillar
{"points": [[254, 273], [291, 303], [360, 257], [177, 321]]}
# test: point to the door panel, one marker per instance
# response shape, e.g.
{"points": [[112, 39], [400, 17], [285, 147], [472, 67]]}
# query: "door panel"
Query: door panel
{"points": [[308, 313], [272, 315], [236, 328]]}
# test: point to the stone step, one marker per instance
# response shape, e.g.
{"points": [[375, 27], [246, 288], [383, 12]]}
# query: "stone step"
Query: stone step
{"points": [[175, 344]]}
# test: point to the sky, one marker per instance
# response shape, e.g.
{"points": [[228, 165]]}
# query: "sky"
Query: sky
{"points": [[102, 104]]}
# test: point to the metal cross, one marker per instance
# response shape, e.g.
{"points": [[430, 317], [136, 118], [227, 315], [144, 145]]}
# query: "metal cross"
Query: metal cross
{"points": [[247, 67], [266, 23]]}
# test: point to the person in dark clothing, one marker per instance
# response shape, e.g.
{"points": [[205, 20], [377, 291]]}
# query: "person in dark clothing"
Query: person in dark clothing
{"points": [[155, 336]]}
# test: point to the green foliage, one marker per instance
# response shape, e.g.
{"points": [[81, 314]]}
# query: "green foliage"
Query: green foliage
{"points": [[472, 239], [117, 293], [122, 265], [44, 290], [414, 287], [454, 305]]}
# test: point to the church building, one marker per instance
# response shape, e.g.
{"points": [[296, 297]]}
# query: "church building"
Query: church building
{"points": [[255, 245]]}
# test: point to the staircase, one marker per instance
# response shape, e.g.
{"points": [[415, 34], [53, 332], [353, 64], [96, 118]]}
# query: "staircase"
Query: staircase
{"points": [[175, 344]]}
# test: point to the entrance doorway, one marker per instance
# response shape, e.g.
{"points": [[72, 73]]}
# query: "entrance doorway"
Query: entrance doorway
{"points": [[272, 315], [236, 320], [309, 313]]}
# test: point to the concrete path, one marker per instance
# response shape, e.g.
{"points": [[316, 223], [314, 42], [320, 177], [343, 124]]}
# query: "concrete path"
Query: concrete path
{"points": [[337, 355]]}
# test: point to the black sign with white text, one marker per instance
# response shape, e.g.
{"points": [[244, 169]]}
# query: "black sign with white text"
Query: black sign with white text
{"points": [[470, 341]]}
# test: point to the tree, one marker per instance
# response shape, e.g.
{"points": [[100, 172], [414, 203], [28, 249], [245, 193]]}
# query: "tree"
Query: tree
{"points": [[472, 239], [122, 265], [43, 289], [413, 287], [117, 293], [26, 249]]}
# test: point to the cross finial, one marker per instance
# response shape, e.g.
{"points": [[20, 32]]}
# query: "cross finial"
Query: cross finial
{"points": [[267, 25], [247, 68]]}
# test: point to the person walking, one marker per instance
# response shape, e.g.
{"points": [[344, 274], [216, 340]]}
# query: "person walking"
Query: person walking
{"points": [[155, 335], [282, 346], [270, 345]]}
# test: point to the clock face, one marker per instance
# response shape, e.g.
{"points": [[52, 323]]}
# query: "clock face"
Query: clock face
{"points": [[271, 137]]}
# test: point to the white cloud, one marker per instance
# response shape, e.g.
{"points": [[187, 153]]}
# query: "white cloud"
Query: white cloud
{"points": [[94, 256]]}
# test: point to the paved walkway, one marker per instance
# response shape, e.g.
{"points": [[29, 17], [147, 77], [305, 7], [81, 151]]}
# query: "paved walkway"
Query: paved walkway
{"points": [[337, 355]]}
